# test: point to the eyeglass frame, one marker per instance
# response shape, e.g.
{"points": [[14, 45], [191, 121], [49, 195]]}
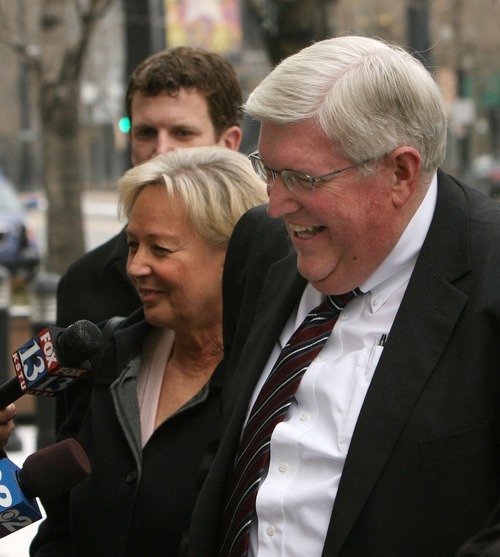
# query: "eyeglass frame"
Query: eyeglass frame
{"points": [[256, 160]]}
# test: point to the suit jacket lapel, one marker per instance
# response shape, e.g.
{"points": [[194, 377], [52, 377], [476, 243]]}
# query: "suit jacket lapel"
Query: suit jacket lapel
{"points": [[416, 341], [281, 291], [282, 288]]}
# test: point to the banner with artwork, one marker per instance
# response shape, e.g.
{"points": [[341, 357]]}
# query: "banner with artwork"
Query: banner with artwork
{"points": [[211, 24]]}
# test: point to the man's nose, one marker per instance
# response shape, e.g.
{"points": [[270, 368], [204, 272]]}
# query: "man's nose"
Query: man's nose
{"points": [[281, 199], [164, 143]]}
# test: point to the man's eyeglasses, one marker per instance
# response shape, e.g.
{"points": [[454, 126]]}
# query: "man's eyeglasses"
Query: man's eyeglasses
{"points": [[292, 179]]}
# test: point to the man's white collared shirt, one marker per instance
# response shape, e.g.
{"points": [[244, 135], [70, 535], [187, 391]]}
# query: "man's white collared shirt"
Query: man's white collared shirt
{"points": [[308, 449]]}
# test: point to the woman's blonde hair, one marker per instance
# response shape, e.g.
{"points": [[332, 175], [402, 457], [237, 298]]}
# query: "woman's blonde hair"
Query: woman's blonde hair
{"points": [[216, 185]]}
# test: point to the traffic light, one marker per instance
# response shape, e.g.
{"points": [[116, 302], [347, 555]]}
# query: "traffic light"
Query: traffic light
{"points": [[124, 124]]}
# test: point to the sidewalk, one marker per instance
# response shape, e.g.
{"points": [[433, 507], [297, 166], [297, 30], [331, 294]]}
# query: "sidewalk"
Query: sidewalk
{"points": [[17, 544]]}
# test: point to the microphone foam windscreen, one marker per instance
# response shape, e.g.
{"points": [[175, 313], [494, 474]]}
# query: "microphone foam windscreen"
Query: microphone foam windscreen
{"points": [[54, 470], [79, 342]]}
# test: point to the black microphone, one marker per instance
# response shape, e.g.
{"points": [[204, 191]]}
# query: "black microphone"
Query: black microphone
{"points": [[51, 360], [48, 473]]}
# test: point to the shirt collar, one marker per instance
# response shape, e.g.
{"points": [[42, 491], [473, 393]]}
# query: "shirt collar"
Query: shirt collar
{"points": [[398, 266]]}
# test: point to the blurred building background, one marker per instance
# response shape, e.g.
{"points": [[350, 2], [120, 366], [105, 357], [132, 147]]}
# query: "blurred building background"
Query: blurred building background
{"points": [[101, 100], [458, 39]]}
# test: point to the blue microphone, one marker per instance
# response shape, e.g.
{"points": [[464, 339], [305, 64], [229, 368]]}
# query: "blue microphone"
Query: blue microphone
{"points": [[48, 473]]}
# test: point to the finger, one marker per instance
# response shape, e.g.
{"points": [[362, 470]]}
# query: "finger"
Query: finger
{"points": [[5, 432], [8, 413]]}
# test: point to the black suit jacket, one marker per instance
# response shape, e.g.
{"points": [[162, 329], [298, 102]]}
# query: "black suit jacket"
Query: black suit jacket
{"points": [[422, 472], [96, 286], [485, 543]]}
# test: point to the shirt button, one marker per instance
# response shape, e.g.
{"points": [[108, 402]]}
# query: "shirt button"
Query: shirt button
{"points": [[270, 531], [376, 302], [283, 467], [304, 416], [132, 477]]}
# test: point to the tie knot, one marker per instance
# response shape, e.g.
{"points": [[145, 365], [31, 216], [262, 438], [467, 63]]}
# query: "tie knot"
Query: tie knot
{"points": [[336, 303]]}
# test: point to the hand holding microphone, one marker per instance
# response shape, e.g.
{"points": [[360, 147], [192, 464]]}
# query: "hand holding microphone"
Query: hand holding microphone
{"points": [[7, 416], [44, 365], [51, 360], [48, 473]]}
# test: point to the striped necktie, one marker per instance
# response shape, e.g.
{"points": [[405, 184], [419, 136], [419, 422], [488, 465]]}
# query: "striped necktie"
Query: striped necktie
{"points": [[269, 409]]}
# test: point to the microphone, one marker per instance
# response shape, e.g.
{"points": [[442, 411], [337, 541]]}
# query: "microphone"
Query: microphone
{"points": [[51, 360], [48, 473]]}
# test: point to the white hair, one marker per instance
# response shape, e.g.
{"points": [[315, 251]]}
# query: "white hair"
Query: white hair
{"points": [[366, 95]]}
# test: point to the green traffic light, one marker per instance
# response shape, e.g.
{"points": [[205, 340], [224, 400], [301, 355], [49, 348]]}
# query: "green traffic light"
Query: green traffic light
{"points": [[124, 124]]}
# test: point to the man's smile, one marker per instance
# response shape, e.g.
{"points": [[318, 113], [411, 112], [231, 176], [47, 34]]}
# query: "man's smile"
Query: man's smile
{"points": [[305, 232]]}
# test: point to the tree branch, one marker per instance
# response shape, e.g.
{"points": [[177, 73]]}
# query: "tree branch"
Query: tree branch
{"points": [[10, 38]]}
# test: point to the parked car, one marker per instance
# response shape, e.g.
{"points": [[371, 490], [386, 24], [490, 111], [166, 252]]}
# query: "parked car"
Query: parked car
{"points": [[19, 252]]}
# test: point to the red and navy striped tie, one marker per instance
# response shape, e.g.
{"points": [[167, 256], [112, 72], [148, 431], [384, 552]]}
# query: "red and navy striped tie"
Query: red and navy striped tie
{"points": [[269, 409]]}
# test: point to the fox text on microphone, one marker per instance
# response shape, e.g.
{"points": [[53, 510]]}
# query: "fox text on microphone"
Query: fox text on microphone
{"points": [[54, 358]]}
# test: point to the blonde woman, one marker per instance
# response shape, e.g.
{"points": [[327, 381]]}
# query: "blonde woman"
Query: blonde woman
{"points": [[153, 405]]}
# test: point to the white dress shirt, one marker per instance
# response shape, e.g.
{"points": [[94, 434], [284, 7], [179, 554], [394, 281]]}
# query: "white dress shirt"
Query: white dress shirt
{"points": [[308, 449]]}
